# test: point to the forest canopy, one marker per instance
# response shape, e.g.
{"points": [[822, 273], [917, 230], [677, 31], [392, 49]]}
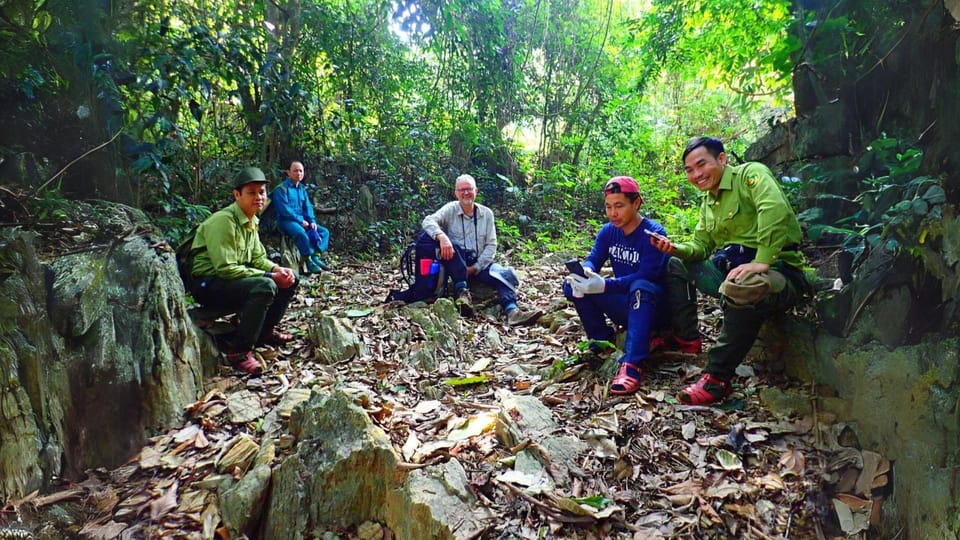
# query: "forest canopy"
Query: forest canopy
{"points": [[540, 100]]}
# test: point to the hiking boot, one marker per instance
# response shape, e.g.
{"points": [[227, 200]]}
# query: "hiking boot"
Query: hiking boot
{"points": [[464, 302], [244, 361], [705, 391], [319, 262], [522, 317]]}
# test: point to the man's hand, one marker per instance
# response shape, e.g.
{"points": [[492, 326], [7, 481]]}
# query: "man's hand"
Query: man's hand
{"points": [[283, 277], [472, 270], [312, 226], [754, 267], [575, 288], [305, 224], [446, 247], [662, 244], [592, 284]]}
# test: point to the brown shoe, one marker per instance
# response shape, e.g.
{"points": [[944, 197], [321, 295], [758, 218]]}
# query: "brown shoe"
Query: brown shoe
{"points": [[522, 317], [464, 303]]}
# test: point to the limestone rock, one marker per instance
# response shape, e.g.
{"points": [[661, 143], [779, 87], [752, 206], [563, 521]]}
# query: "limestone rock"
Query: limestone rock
{"points": [[244, 406], [522, 417], [335, 339], [436, 502], [99, 357], [241, 504], [238, 454], [338, 476], [526, 418], [435, 330]]}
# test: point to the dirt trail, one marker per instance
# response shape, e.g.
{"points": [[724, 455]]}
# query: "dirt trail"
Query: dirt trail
{"points": [[654, 468]]}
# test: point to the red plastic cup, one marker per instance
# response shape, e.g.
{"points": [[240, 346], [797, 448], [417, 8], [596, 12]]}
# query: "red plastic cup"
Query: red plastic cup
{"points": [[425, 266]]}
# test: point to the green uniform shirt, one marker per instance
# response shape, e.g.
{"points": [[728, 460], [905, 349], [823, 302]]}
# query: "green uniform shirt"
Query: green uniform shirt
{"points": [[229, 246], [749, 209]]}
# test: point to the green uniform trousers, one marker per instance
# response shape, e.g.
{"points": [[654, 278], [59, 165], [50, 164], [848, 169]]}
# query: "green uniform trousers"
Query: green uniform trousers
{"points": [[740, 325]]}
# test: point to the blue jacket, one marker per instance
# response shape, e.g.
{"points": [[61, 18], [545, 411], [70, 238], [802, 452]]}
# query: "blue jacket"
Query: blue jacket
{"points": [[292, 202]]}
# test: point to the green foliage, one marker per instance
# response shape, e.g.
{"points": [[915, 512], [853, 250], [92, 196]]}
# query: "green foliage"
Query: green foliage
{"points": [[540, 102], [50, 205], [883, 203]]}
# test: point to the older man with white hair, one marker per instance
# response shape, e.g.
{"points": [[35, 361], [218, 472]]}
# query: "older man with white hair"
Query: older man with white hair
{"points": [[467, 238]]}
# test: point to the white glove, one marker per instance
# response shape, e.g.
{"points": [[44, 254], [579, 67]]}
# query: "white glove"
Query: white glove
{"points": [[575, 288], [592, 284]]}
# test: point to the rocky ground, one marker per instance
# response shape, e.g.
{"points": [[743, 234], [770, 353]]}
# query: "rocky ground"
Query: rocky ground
{"points": [[764, 465]]}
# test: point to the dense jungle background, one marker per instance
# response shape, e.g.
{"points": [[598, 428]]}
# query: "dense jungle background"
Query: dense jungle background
{"points": [[155, 104]]}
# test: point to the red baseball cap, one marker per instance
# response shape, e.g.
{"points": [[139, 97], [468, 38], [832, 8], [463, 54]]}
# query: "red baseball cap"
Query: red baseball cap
{"points": [[622, 184]]}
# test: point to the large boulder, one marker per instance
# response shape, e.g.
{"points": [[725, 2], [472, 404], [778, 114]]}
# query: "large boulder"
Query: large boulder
{"points": [[901, 402], [98, 352], [339, 475], [345, 473]]}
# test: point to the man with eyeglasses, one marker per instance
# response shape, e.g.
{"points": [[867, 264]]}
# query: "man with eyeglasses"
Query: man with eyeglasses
{"points": [[466, 236]]}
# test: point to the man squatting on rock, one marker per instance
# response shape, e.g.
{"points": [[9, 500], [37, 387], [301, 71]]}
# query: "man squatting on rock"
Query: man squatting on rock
{"points": [[745, 251], [467, 237], [231, 270]]}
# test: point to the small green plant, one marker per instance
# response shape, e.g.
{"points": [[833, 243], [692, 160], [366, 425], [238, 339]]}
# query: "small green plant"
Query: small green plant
{"points": [[50, 204]]}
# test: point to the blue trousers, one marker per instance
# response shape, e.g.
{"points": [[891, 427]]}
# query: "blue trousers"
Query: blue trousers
{"points": [[641, 310], [307, 242], [456, 269]]}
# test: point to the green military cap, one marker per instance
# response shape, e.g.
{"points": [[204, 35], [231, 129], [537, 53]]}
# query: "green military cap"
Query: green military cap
{"points": [[249, 175], [750, 288]]}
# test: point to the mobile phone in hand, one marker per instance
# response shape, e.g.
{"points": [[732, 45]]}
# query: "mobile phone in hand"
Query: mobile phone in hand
{"points": [[658, 236], [574, 267]]}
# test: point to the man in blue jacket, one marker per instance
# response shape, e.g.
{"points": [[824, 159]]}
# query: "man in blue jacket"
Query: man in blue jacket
{"points": [[295, 217]]}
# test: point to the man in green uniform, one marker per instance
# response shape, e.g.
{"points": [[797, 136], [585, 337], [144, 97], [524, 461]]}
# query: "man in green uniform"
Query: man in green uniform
{"points": [[745, 251], [231, 270]]}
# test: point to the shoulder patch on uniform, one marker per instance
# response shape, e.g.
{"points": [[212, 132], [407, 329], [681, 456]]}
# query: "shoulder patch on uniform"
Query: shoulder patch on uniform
{"points": [[752, 180]]}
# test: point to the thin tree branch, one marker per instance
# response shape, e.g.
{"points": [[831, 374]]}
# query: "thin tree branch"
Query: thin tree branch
{"points": [[67, 166]]}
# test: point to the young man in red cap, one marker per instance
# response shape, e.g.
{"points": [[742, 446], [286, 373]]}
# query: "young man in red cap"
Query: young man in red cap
{"points": [[635, 294], [231, 270]]}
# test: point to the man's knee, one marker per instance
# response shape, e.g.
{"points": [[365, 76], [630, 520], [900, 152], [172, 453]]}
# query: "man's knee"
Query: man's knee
{"points": [[676, 268], [264, 287], [643, 291]]}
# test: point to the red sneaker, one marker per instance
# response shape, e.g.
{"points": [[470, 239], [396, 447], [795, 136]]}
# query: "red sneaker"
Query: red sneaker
{"points": [[275, 337], [705, 391], [244, 361]]}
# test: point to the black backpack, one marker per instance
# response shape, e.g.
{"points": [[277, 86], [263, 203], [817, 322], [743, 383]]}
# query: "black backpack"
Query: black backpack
{"points": [[185, 255], [419, 287]]}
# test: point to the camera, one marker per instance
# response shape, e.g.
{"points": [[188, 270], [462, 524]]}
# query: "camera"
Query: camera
{"points": [[469, 257]]}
